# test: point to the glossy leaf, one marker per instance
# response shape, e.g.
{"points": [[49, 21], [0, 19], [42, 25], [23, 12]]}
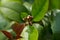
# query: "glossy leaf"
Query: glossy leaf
{"points": [[40, 7]]}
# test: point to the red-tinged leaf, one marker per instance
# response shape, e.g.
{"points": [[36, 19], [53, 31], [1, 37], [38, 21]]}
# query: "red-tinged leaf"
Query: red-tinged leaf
{"points": [[18, 28], [7, 34]]}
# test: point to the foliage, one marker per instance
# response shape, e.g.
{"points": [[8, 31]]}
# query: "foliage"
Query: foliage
{"points": [[30, 19]]}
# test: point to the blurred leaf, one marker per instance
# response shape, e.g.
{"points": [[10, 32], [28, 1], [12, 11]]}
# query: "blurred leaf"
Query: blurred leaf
{"points": [[28, 6], [40, 7], [8, 27], [56, 24], [25, 33], [14, 5], [10, 14], [44, 32], [18, 28], [54, 4], [40, 32], [38, 26], [23, 15], [3, 22], [4, 25], [33, 33], [56, 27], [29, 1], [30, 33], [2, 37], [11, 9], [7, 34]]}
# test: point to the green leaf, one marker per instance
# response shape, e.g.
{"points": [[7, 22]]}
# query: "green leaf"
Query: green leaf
{"points": [[10, 14], [25, 33], [13, 4], [11, 9], [38, 26], [28, 6], [30, 33], [55, 4], [2, 37], [29, 1], [40, 7], [56, 24], [56, 27], [40, 31], [33, 33], [3, 22], [23, 15], [3, 25]]}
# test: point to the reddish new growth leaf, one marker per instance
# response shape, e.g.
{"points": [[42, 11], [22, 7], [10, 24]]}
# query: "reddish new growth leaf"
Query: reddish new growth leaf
{"points": [[7, 34], [18, 28]]}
